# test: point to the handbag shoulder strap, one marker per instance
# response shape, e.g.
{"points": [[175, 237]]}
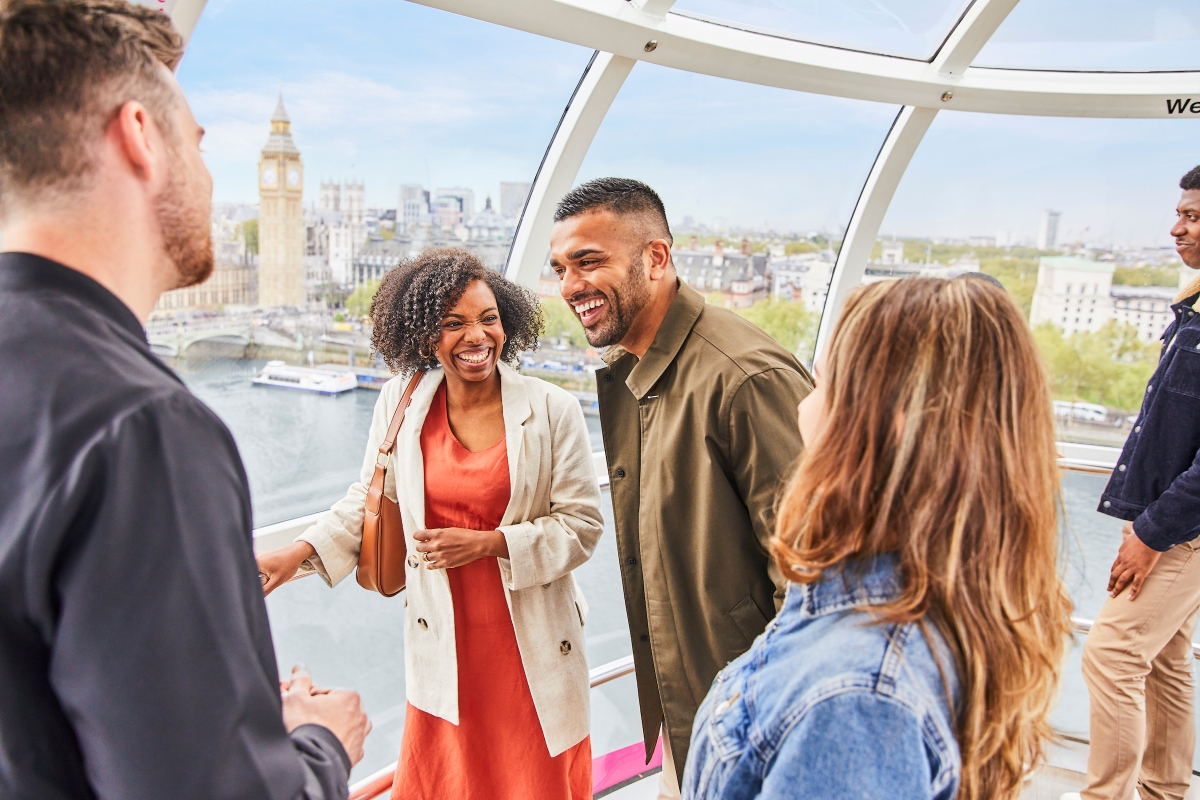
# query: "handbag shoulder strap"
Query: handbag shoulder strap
{"points": [[389, 440]]}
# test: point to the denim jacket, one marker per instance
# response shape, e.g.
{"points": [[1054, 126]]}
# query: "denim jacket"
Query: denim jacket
{"points": [[1157, 480], [829, 704]]}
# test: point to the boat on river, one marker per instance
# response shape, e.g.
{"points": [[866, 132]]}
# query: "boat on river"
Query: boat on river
{"points": [[320, 381], [367, 377]]}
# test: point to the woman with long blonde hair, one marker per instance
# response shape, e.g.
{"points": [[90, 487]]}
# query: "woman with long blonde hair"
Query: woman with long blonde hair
{"points": [[918, 652]]}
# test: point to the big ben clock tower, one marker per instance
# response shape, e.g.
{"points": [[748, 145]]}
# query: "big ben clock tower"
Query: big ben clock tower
{"points": [[280, 217]]}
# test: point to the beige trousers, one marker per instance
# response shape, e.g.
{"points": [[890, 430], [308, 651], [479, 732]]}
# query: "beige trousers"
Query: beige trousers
{"points": [[668, 781], [1137, 663]]}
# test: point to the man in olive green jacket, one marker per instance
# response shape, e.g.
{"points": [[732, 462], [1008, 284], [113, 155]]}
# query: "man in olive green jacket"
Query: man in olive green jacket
{"points": [[698, 410]]}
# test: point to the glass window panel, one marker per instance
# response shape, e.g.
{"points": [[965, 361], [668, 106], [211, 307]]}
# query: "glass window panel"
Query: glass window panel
{"points": [[1089, 545], [910, 28], [1097, 35], [744, 168], [352, 638], [395, 110], [1073, 216]]}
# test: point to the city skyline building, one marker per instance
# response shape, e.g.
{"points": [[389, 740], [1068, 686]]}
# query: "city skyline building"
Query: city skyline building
{"points": [[1073, 293], [280, 217], [331, 196], [413, 210], [802, 278], [339, 223], [454, 206], [1078, 294], [1047, 233]]}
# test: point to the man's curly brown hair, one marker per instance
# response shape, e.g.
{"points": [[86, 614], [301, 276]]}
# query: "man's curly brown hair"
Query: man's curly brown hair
{"points": [[413, 298]]}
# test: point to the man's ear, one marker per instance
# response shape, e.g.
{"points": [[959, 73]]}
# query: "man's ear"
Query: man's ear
{"points": [[658, 252], [137, 139]]}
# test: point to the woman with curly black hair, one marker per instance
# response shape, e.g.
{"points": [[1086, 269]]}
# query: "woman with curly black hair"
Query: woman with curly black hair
{"points": [[494, 481]]}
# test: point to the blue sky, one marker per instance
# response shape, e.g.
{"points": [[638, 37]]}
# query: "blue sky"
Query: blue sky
{"points": [[391, 92], [387, 92]]}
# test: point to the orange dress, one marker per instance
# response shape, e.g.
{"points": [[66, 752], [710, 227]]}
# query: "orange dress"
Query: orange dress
{"points": [[498, 750]]}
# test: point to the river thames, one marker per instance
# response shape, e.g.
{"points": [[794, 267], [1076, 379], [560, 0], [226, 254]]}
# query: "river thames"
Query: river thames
{"points": [[302, 450]]}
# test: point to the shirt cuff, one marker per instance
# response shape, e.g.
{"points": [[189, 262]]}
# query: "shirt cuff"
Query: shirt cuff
{"points": [[1150, 535], [326, 549]]}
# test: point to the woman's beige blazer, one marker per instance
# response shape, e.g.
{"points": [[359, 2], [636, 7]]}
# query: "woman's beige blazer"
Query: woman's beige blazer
{"points": [[551, 525]]}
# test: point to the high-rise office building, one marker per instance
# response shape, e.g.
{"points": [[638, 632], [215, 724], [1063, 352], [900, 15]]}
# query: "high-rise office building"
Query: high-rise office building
{"points": [[1047, 235], [280, 217]]}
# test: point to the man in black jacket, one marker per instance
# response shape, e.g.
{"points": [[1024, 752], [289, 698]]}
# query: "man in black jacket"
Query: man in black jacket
{"points": [[1137, 661], [135, 653]]}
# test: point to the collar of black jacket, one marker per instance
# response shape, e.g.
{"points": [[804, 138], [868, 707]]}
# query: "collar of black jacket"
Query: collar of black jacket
{"points": [[25, 272], [681, 318]]}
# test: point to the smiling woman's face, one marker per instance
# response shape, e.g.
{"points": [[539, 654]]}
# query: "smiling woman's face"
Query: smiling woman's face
{"points": [[472, 335]]}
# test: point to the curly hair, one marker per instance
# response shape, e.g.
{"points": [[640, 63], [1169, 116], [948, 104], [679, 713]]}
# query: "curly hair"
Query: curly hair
{"points": [[1191, 180], [413, 298]]}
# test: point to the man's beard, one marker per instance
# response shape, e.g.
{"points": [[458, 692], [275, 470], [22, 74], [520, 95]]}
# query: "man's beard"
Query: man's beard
{"points": [[624, 304], [186, 231]]}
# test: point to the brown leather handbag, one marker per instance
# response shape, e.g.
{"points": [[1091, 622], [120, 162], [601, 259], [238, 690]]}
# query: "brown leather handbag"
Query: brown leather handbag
{"points": [[381, 559]]}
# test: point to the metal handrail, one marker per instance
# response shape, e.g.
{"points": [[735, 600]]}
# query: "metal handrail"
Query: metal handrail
{"points": [[1081, 465], [611, 671], [377, 783]]}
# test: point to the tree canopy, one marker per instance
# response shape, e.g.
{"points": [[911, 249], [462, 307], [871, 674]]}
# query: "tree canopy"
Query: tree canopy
{"points": [[359, 301], [250, 232], [790, 324], [561, 322], [1110, 366]]}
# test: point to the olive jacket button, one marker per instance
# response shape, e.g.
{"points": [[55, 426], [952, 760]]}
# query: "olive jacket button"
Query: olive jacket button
{"points": [[421, 621], [565, 648], [412, 561]]}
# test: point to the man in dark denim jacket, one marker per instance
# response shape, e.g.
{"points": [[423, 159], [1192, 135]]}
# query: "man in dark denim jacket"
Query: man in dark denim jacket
{"points": [[1138, 658]]}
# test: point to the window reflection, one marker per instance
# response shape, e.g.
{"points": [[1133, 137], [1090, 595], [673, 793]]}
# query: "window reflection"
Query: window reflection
{"points": [[911, 28], [1096, 35]]}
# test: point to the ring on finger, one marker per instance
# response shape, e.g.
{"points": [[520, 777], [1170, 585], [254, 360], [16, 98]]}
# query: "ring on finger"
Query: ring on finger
{"points": [[426, 558]]}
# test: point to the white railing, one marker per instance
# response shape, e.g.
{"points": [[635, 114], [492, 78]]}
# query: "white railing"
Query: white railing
{"points": [[1073, 457]]}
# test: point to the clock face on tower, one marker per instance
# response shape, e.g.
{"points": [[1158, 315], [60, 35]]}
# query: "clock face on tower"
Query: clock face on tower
{"points": [[293, 177], [268, 176]]}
